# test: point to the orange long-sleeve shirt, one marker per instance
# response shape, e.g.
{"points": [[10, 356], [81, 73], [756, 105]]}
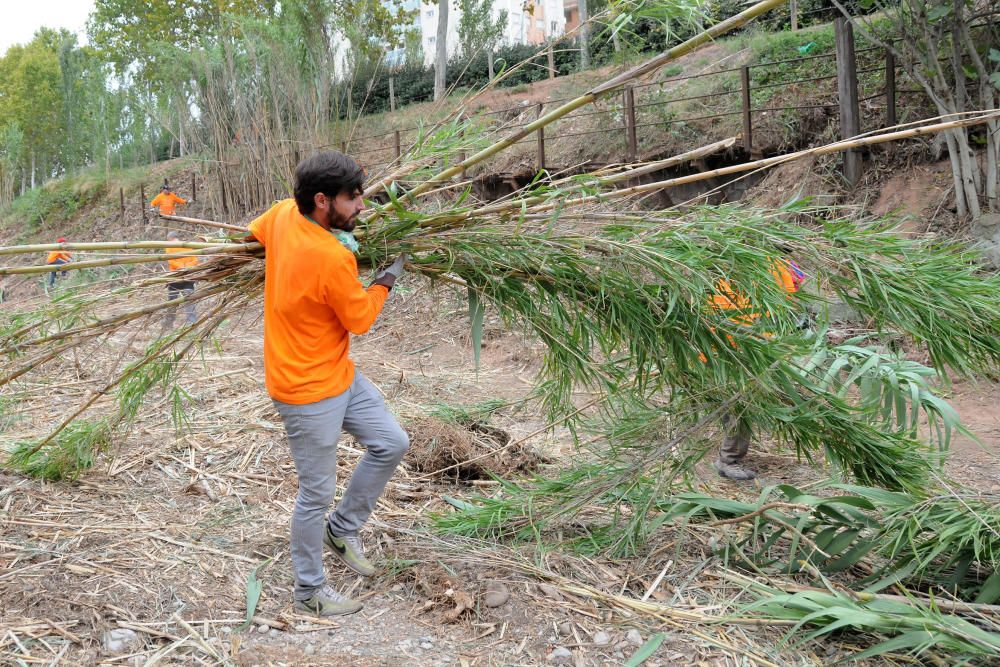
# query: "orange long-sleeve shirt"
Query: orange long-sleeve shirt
{"points": [[313, 301], [57, 255], [180, 262], [166, 202]]}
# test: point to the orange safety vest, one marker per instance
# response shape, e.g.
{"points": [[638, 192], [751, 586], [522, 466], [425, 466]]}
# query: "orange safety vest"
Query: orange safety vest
{"points": [[785, 272]]}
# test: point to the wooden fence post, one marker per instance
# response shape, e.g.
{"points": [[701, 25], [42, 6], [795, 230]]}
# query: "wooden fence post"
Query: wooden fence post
{"points": [[552, 62], [793, 7], [194, 189], [121, 201], [747, 122], [631, 143], [541, 140], [890, 89], [142, 203], [847, 89], [395, 141], [392, 94]]}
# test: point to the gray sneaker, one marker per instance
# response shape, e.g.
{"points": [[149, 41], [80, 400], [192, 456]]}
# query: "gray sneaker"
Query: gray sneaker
{"points": [[328, 602], [348, 549], [734, 471]]}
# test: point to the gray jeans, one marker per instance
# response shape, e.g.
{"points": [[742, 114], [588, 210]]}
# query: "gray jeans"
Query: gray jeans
{"points": [[736, 442], [313, 430], [176, 291]]}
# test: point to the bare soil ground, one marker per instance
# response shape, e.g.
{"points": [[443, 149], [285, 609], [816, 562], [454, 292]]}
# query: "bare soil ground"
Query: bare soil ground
{"points": [[169, 527]]}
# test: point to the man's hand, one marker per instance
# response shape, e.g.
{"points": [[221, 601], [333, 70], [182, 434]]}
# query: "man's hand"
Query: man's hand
{"points": [[387, 277]]}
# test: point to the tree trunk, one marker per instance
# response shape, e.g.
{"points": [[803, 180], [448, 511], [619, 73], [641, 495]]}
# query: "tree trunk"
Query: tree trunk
{"points": [[584, 34], [32, 170], [489, 63], [441, 61]]}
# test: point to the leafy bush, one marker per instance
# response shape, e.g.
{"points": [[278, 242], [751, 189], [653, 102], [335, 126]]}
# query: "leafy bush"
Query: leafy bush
{"points": [[55, 201]]}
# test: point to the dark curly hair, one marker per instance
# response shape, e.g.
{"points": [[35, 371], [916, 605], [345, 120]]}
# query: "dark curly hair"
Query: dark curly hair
{"points": [[329, 172]]}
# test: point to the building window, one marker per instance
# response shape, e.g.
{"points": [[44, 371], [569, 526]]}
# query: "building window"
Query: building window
{"points": [[431, 40], [539, 24], [553, 27], [429, 13]]}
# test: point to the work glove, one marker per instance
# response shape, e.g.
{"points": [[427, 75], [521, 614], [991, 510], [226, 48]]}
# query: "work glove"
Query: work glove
{"points": [[387, 276]]}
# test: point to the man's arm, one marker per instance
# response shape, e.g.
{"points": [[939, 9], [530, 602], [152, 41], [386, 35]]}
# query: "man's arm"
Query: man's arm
{"points": [[355, 306]]}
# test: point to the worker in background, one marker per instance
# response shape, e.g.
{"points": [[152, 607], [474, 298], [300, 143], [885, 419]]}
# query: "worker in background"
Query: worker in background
{"points": [[313, 302], [55, 258], [166, 201], [179, 288], [736, 442]]}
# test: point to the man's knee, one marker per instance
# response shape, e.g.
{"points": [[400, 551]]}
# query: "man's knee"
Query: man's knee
{"points": [[396, 442], [313, 500]]}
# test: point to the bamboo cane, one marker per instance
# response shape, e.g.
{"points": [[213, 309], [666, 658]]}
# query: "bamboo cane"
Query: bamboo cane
{"points": [[94, 329], [541, 203], [229, 249], [205, 223], [594, 94], [109, 245]]}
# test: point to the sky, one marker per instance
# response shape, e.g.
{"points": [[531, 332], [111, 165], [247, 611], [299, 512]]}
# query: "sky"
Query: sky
{"points": [[22, 20]]}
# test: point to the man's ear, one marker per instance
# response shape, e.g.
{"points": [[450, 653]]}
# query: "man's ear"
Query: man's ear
{"points": [[321, 200]]}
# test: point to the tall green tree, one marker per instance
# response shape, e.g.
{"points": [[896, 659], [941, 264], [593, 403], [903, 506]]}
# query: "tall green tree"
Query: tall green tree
{"points": [[31, 99], [478, 30], [129, 32]]}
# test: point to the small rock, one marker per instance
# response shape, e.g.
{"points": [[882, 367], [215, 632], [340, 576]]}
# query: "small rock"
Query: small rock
{"points": [[633, 637], [601, 638], [426, 646], [309, 649], [121, 640], [225, 629], [497, 594], [560, 656], [274, 633], [565, 629], [262, 628], [429, 640], [551, 591]]}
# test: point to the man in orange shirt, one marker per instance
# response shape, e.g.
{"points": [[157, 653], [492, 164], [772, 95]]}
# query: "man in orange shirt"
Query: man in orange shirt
{"points": [[736, 442], [166, 201], [55, 258], [313, 302], [179, 288]]}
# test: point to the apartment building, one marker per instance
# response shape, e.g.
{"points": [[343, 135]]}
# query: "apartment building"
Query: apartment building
{"points": [[528, 22]]}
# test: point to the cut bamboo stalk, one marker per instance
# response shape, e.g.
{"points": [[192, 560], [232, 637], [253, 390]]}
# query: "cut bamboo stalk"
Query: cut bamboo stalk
{"points": [[206, 223], [229, 249], [540, 203], [110, 245], [609, 86]]}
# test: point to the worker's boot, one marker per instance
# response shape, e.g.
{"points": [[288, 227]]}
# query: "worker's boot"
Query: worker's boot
{"points": [[734, 471]]}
